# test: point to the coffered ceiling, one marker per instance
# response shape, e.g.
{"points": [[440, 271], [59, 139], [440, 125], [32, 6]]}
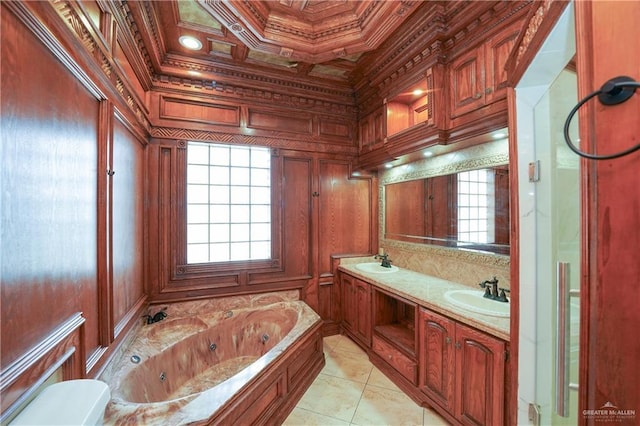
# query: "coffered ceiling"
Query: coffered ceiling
{"points": [[307, 50], [318, 39]]}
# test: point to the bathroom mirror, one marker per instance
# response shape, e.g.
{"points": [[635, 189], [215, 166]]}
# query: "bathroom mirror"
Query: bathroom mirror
{"points": [[468, 209]]}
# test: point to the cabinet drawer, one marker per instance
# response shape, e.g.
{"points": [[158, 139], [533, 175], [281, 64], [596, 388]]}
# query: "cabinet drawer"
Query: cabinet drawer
{"points": [[405, 365]]}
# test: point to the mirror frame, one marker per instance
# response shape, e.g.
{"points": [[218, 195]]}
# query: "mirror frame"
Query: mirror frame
{"points": [[487, 155]]}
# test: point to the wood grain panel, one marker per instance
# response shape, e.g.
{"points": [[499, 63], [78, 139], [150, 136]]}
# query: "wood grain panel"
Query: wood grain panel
{"points": [[60, 355], [296, 215], [437, 358], [610, 348], [332, 129], [498, 50], [345, 213], [442, 206], [502, 205], [271, 120], [480, 377], [128, 221], [412, 220], [200, 112], [467, 82], [398, 116], [49, 195], [403, 364]]}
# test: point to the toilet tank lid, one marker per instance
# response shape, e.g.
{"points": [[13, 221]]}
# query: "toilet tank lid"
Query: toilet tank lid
{"points": [[72, 402]]}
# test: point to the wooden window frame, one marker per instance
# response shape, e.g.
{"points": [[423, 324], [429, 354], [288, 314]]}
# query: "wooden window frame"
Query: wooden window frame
{"points": [[182, 269]]}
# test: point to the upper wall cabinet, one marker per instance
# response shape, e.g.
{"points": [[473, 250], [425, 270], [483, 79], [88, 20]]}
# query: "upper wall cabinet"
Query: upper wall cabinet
{"points": [[411, 107], [409, 119], [408, 108], [478, 77]]}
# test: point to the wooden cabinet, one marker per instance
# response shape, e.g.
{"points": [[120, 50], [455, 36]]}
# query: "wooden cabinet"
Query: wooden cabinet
{"points": [[356, 308], [477, 77], [394, 333], [411, 106], [462, 370]]}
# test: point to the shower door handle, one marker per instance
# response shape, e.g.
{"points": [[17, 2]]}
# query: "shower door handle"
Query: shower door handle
{"points": [[563, 335]]}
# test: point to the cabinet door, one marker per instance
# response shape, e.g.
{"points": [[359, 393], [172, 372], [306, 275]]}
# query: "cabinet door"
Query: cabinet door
{"points": [[479, 377], [437, 358], [363, 303], [467, 82], [497, 50]]}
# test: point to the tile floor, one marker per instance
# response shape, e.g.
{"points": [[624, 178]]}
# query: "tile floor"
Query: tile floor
{"points": [[351, 391]]}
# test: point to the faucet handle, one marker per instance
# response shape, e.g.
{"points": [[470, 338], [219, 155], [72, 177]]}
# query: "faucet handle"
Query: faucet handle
{"points": [[503, 297]]}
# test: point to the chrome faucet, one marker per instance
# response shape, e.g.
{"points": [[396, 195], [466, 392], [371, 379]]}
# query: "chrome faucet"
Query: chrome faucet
{"points": [[493, 292], [386, 263]]}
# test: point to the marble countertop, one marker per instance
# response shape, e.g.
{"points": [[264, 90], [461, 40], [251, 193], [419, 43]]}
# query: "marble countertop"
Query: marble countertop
{"points": [[428, 291]]}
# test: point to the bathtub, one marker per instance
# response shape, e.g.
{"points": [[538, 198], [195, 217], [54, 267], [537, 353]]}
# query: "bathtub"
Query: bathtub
{"points": [[245, 360]]}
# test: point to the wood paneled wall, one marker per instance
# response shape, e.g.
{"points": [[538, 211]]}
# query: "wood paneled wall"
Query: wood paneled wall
{"points": [[72, 246], [128, 224], [320, 210], [610, 348], [49, 194]]}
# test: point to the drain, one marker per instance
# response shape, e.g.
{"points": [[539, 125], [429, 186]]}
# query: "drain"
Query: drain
{"points": [[228, 314], [213, 347], [135, 359], [264, 338], [163, 377]]}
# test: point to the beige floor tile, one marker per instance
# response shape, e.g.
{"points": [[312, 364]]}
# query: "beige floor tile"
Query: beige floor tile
{"points": [[348, 345], [380, 406], [431, 418], [377, 378], [348, 365], [302, 417], [333, 341], [332, 396]]}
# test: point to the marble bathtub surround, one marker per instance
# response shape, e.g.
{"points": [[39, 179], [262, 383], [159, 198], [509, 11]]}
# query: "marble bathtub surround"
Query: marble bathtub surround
{"points": [[428, 291], [201, 378]]}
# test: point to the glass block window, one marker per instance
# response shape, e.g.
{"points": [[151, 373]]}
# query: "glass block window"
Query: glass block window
{"points": [[476, 201], [228, 203]]}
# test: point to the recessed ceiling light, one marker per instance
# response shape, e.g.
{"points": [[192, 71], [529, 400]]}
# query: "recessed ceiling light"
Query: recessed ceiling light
{"points": [[190, 42], [388, 165], [418, 92], [427, 153], [499, 135]]}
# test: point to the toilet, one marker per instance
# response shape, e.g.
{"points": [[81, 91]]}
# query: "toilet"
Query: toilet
{"points": [[72, 402]]}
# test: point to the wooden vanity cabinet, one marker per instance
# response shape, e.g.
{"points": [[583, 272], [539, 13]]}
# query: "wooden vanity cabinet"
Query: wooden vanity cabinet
{"points": [[356, 308], [478, 77], [462, 369], [395, 333]]}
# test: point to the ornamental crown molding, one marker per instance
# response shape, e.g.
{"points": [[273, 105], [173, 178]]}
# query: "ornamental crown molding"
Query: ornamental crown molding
{"points": [[312, 32]]}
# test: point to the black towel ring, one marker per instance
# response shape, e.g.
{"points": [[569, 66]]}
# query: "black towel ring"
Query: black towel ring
{"points": [[613, 92]]}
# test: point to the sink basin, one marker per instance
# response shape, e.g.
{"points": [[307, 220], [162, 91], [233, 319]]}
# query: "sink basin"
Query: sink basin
{"points": [[473, 300], [375, 268]]}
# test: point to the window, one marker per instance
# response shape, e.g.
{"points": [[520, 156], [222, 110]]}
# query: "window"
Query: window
{"points": [[476, 206], [228, 203]]}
